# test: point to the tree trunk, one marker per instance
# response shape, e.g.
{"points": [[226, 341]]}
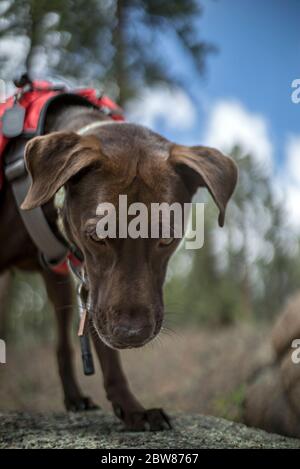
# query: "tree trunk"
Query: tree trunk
{"points": [[119, 43]]}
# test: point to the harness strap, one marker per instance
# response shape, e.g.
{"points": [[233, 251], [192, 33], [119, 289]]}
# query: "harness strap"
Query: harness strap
{"points": [[37, 226], [54, 253]]}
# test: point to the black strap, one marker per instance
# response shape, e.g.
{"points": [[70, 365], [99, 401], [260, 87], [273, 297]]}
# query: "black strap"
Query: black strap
{"points": [[37, 226]]}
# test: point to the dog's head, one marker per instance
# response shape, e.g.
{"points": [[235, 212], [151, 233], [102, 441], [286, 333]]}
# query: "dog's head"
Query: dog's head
{"points": [[125, 275]]}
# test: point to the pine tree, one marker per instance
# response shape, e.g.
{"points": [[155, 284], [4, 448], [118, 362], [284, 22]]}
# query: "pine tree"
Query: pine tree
{"points": [[119, 44]]}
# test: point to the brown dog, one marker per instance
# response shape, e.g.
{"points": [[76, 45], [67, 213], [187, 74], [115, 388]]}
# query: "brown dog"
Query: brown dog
{"points": [[125, 275]]}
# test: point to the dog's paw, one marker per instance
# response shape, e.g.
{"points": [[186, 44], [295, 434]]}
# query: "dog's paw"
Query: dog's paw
{"points": [[80, 404], [147, 420]]}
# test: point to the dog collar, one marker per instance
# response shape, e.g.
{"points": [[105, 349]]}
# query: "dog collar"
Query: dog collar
{"points": [[94, 125]]}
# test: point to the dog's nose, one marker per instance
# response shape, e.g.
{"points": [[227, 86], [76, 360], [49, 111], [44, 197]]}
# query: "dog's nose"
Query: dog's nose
{"points": [[127, 335]]}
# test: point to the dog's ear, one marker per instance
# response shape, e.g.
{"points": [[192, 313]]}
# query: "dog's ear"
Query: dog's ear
{"points": [[52, 160], [206, 167]]}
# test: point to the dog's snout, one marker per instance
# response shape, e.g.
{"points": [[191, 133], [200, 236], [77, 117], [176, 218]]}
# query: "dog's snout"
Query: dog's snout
{"points": [[132, 327], [129, 335], [129, 327]]}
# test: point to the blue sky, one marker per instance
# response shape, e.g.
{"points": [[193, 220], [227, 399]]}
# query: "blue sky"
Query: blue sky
{"points": [[259, 56], [245, 95], [258, 44]]}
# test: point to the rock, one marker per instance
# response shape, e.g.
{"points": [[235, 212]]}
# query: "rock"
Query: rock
{"points": [[272, 397], [287, 327], [267, 405], [97, 429]]}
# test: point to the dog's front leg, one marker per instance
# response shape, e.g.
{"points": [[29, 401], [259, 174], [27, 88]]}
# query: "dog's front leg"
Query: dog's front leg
{"points": [[5, 281], [60, 293], [125, 405]]}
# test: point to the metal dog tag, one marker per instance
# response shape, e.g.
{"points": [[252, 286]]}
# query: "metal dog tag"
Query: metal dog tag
{"points": [[13, 121], [83, 324]]}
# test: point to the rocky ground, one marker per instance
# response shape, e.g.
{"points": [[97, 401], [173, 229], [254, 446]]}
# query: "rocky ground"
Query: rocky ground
{"points": [[191, 374], [101, 430]]}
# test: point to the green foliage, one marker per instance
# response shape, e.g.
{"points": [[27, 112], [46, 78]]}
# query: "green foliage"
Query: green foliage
{"points": [[114, 43], [29, 312], [246, 270], [230, 406]]}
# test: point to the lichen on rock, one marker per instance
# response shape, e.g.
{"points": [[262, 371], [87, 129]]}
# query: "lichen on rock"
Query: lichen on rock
{"points": [[98, 429]]}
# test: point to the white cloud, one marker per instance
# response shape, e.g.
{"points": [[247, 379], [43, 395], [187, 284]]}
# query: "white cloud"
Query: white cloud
{"points": [[293, 158], [171, 105], [293, 204], [291, 178], [229, 123], [13, 50]]}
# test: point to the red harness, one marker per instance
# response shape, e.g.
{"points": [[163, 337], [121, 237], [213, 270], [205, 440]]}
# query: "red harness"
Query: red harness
{"points": [[37, 99], [36, 102]]}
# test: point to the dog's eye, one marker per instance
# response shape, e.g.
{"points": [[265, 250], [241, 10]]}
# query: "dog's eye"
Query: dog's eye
{"points": [[164, 242], [94, 237]]}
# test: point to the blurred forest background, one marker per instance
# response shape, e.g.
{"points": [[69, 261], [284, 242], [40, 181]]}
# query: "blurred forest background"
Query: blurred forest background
{"points": [[246, 271]]}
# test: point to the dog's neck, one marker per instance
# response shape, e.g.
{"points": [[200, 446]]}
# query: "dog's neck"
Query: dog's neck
{"points": [[71, 118]]}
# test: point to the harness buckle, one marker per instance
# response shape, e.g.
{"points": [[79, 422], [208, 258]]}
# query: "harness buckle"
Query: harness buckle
{"points": [[86, 354], [50, 264]]}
